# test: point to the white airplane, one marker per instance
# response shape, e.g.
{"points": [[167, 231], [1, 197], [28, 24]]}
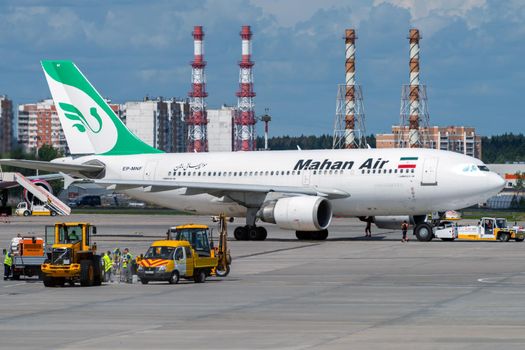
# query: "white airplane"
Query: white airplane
{"points": [[297, 190]]}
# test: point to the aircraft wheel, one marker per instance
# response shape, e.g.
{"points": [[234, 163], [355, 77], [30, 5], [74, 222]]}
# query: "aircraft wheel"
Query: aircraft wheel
{"points": [[261, 234], [319, 235], [253, 233], [303, 235], [423, 232], [240, 233]]}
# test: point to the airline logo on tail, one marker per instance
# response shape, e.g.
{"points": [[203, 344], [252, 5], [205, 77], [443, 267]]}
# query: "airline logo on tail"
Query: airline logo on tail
{"points": [[71, 112], [89, 123]]}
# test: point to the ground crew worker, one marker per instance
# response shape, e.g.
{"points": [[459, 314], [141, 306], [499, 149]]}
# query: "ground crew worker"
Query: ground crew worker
{"points": [[404, 228], [368, 229], [108, 265], [8, 263], [127, 258]]}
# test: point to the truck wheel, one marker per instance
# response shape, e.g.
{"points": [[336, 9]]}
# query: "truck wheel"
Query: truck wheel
{"points": [[424, 232], [53, 213], [16, 276], [220, 271], [519, 239], [87, 273], [504, 237], [200, 276], [97, 270], [144, 281], [49, 281], [174, 279], [27, 213]]}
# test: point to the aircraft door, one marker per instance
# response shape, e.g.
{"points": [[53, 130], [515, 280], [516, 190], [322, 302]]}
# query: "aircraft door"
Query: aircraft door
{"points": [[429, 176], [180, 261], [149, 170], [306, 177]]}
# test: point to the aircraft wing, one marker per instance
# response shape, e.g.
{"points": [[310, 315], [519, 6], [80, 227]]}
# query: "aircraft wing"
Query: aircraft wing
{"points": [[219, 188], [51, 166]]}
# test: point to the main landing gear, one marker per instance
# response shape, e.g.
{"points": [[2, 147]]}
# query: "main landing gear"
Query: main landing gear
{"points": [[312, 235], [424, 232], [250, 233]]}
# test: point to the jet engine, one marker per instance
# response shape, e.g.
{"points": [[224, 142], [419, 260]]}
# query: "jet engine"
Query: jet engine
{"points": [[392, 222], [301, 213]]}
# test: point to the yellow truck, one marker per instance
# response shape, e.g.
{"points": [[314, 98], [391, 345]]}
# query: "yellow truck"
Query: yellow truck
{"points": [[73, 256], [187, 253], [170, 260]]}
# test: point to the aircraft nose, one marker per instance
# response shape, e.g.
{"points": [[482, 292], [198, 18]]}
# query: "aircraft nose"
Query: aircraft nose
{"points": [[498, 182], [493, 183]]}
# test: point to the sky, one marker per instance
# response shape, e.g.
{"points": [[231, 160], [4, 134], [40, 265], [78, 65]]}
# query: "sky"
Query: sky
{"points": [[471, 60]]}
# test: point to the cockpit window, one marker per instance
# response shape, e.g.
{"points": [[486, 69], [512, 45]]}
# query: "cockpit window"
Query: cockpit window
{"points": [[483, 168]]}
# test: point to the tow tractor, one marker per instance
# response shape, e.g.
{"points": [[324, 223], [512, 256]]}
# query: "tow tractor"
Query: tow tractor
{"points": [[487, 229], [72, 258], [186, 253]]}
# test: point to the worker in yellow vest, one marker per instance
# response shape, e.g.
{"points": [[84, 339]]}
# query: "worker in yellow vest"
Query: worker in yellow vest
{"points": [[127, 266], [108, 265], [8, 263]]}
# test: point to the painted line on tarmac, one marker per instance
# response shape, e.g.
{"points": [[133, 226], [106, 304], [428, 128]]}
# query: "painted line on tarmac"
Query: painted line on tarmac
{"points": [[14, 285], [275, 251]]}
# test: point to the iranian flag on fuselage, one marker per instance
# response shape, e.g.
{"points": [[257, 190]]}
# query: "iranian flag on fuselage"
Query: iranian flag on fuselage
{"points": [[407, 163]]}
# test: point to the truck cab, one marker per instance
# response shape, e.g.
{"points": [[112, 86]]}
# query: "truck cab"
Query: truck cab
{"points": [[197, 235]]}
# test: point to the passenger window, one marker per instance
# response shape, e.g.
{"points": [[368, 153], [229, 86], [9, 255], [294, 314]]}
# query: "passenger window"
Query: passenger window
{"points": [[188, 252]]}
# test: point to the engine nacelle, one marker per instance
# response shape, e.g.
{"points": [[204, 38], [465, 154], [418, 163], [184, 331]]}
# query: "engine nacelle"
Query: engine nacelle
{"points": [[301, 213], [392, 222]]}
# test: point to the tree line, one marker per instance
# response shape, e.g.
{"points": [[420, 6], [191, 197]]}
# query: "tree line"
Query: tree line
{"points": [[506, 148]]}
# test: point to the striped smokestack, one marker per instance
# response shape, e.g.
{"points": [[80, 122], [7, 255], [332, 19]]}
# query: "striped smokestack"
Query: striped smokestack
{"points": [[350, 37], [413, 133]]}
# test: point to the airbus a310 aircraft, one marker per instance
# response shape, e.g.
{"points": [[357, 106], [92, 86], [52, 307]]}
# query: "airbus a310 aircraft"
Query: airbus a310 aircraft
{"points": [[297, 190]]}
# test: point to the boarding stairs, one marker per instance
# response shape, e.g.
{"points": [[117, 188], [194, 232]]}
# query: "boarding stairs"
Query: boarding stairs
{"points": [[42, 194]]}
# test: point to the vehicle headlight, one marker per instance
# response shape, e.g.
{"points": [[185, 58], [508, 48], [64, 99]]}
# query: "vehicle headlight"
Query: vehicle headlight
{"points": [[162, 268], [140, 268]]}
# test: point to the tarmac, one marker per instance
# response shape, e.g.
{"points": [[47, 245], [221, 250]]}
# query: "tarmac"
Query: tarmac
{"points": [[348, 292]]}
